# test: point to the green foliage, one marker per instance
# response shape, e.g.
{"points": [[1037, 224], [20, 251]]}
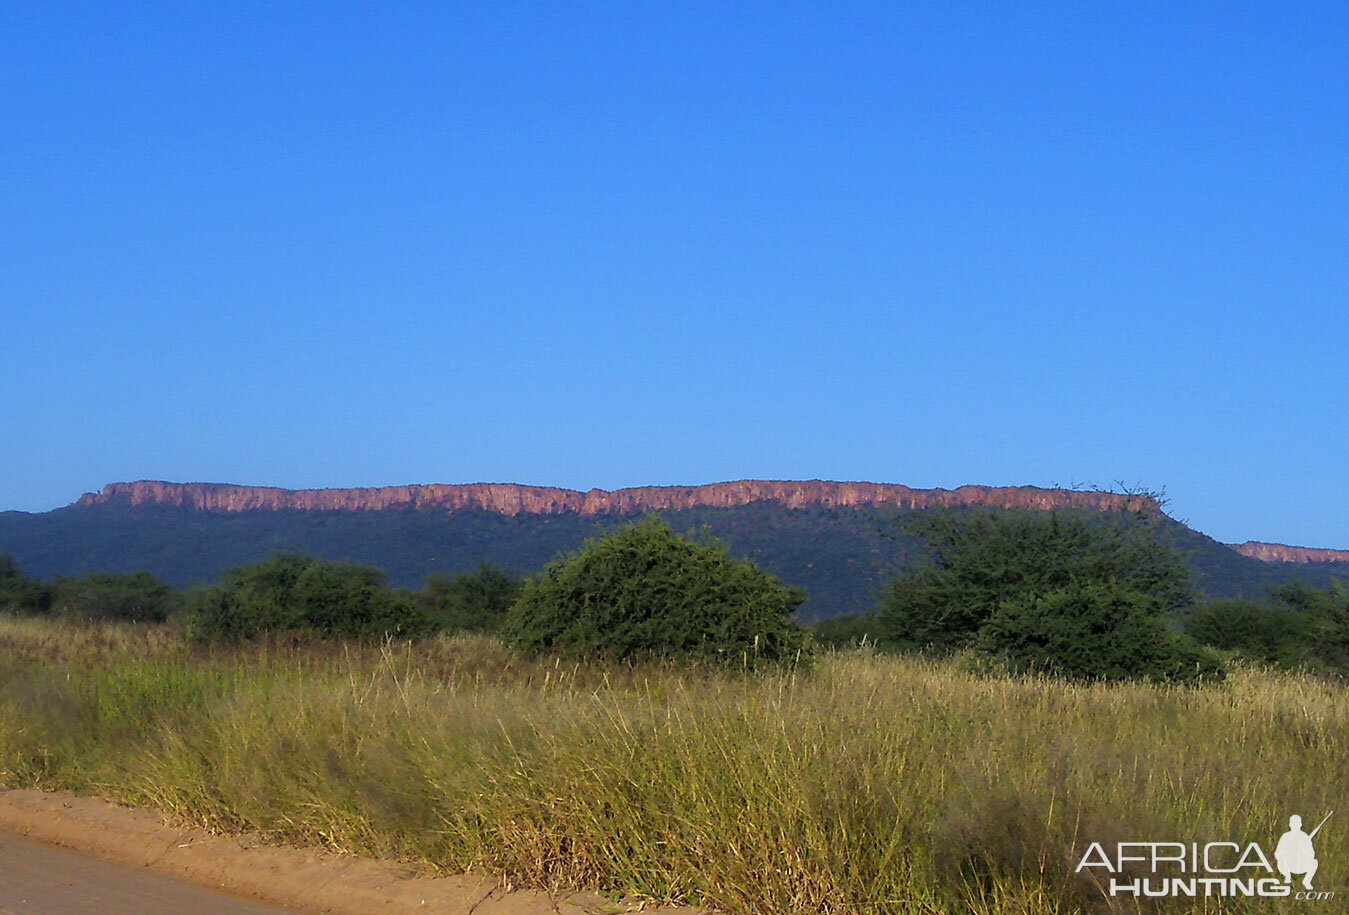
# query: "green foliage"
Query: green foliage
{"points": [[1092, 632], [18, 593], [980, 558], [1254, 630], [1296, 626], [1327, 613], [645, 591], [133, 597], [1082, 595], [845, 631], [839, 554], [474, 601], [289, 592]]}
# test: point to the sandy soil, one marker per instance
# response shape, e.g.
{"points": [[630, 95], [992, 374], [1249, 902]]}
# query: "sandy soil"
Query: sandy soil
{"points": [[303, 879]]}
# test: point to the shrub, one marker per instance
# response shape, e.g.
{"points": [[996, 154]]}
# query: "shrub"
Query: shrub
{"points": [[645, 591], [1253, 630], [19, 593], [133, 597], [474, 601], [1296, 626], [1084, 595], [1091, 632], [291, 592], [845, 631], [1327, 613]]}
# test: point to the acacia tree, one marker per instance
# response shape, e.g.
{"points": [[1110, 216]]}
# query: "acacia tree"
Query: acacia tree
{"points": [[1081, 594], [646, 591]]}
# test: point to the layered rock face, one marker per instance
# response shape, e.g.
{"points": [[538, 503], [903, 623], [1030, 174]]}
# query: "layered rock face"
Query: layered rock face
{"points": [[512, 498], [1282, 552]]}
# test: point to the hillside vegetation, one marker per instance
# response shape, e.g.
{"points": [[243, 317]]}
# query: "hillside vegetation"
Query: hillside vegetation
{"points": [[841, 556]]}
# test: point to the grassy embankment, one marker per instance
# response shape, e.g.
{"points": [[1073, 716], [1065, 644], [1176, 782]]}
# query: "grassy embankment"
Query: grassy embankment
{"points": [[866, 784]]}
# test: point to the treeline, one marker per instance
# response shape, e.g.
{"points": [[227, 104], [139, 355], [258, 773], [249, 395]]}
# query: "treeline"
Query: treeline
{"points": [[1094, 596], [640, 592], [285, 592]]}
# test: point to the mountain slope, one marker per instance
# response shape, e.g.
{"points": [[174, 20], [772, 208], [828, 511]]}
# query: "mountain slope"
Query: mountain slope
{"points": [[840, 546]]}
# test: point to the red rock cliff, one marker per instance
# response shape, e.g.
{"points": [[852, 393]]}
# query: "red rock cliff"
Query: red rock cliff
{"points": [[1282, 552], [512, 498]]}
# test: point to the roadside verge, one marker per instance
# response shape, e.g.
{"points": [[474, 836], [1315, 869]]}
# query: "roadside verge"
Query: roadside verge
{"points": [[307, 880]]}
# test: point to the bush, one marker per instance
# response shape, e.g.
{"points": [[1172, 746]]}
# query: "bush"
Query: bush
{"points": [[1255, 631], [1082, 595], [644, 591], [1326, 611], [1091, 632], [19, 593], [289, 592], [845, 631], [1296, 626], [474, 601], [133, 597]]}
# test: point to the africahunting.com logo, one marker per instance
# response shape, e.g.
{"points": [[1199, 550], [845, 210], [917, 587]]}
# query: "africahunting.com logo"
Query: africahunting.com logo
{"points": [[1210, 869]]}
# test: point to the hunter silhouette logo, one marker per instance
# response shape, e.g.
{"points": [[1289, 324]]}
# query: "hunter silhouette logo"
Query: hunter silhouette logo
{"points": [[1209, 869], [1295, 854]]}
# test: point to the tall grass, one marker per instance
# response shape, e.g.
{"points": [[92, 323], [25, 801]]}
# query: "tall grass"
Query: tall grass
{"points": [[866, 784]]}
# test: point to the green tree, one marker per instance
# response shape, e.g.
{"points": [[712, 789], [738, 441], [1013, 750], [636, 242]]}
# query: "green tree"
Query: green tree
{"points": [[19, 593], [645, 591], [288, 592], [1326, 611], [1092, 632], [1254, 630], [1082, 594], [474, 601], [134, 597], [1296, 626]]}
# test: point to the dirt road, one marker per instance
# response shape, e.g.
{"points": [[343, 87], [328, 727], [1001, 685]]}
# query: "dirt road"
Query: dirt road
{"points": [[117, 847], [38, 879]]}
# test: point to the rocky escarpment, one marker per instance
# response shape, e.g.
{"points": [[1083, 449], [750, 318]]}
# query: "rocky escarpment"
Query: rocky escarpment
{"points": [[512, 498], [1282, 552]]}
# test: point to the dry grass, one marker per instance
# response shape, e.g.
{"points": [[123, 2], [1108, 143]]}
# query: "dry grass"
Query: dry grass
{"points": [[865, 784]]}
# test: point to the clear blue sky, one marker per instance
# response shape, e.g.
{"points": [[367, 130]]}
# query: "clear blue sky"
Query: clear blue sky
{"points": [[591, 244]]}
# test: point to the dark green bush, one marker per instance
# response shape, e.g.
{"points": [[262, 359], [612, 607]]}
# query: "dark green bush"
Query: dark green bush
{"points": [[845, 631], [1092, 632], [19, 593], [133, 597], [474, 601], [1256, 631], [288, 592], [1327, 613], [644, 591], [1297, 626], [1079, 594]]}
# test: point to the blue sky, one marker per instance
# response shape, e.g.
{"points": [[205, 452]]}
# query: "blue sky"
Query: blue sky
{"points": [[624, 244]]}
